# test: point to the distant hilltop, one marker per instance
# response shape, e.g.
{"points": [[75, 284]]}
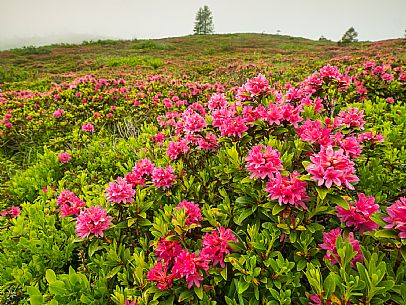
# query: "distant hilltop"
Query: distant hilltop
{"points": [[18, 42]]}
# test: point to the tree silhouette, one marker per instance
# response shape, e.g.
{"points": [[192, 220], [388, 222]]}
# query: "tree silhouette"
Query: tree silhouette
{"points": [[349, 36], [203, 21]]}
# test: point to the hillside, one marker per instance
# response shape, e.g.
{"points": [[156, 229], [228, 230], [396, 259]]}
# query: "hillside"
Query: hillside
{"points": [[200, 54]]}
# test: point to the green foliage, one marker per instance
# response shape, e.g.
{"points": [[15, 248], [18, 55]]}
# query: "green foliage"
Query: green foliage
{"points": [[130, 61]]}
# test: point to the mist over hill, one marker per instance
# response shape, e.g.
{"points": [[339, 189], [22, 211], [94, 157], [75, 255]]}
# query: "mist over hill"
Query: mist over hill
{"points": [[75, 38]]}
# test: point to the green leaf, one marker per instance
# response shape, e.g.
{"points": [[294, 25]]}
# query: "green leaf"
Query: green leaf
{"points": [[242, 286], [240, 218], [385, 234], [338, 200], [277, 209], [185, 295], [50, 276], [322, 192], [199, 292], [223, 273], [329, 285]]}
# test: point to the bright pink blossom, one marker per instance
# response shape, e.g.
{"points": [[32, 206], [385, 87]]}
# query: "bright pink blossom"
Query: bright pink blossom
{"points": [[64, 157], [314, 132], [351, 118], [163, 177], [177, 148], [396, 218], [93, 220], [193, 121], [217, 100], [58, 113], [359, 214], [329, 244], [69, 203], [159, 273], [263, 163], [168, 250], [288, 190], [209, 142], [88, 127], [351, 146], [332, 167], [216, 245], [143, 167], [187, 265], [120, 191], [193, 212]]}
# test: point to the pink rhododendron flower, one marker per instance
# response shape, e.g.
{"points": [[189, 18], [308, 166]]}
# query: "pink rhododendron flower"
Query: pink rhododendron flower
{"points": [[168, 250], [273, 115], [313, 132], [369, 136], [143, 167], [134, 179], [13, 212], [329, 244], [93, 220], [351, 118], [120, 191], [88, 127], [263, 163], [359, 213], [332, 167], [351, 147], [159, 273], [187, 265], [158, 138], [215, 245], [209, 142], [58, 113], [288, 190], [193, 212], [396, 218], [217, 100], [177, 148], [193, 121], [291, 114], [163, 177], [252, 88], [128, 302], [387, 77], [69, 204], [64, 157]]}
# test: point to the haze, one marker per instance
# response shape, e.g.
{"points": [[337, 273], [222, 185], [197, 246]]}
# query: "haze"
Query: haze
{"points": [[37, 22]]}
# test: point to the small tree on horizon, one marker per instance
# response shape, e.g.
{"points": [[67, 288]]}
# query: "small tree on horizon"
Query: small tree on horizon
{"points": [[349, 36], [203, 21]]}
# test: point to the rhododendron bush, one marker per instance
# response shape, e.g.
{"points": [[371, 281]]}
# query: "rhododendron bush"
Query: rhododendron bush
{"points": [[172, 191]]}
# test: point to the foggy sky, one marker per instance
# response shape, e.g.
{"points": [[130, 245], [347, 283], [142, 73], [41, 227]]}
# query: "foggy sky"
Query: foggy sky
{"points": [[129, 19]]}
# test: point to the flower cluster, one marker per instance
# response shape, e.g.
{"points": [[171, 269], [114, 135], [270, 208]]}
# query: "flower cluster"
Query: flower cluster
{"points": [[69, 203], [64, 157], [329, 244], [93, 220], [263, 163], [12, 212], [252, 88], [330, 167], [396, 218], [120, 191], [88, 127], [193, 213], [287, 190], [359, 214], [216, 245]]}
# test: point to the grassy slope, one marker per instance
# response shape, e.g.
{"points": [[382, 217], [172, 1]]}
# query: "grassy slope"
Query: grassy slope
{"points": [[203, 53]]}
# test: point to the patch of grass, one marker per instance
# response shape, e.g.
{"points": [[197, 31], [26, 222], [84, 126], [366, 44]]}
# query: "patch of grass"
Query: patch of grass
{"points": [[13, 74], [31, 50], [152, 45], [130, 61]]}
